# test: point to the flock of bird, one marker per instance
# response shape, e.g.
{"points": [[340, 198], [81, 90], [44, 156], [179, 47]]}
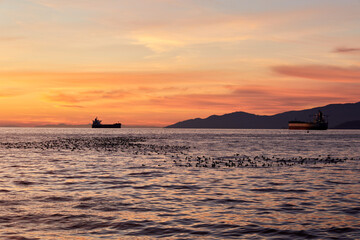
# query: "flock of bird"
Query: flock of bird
{"points": [[134, 145], [241, 161], [177, 155]]}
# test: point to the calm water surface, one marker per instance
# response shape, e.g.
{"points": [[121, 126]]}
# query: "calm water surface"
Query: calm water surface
{"points": [[138, 184]]}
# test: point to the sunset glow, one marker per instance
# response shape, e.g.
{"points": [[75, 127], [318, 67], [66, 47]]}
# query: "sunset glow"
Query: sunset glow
{"points": [[157, 62]]}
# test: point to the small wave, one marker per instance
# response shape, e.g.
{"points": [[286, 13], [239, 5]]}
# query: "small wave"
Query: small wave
{"points": [[86, 198], [341, 230], [216, 226], [117, 182], [290, 208], [18, 166], [278, 190], [186, 221], [88, 225], [146, 174], [146, 187], [352, 211], [76, 176], [145, 209], [338, 182], [108, 209], [10, 202], [161, 232], [5, 219], [57, 199], [118, 186], [267, 232], [85, 205], [226, 201], [182, 187], [20, 238], [275, 184], [24, 183], [129, 225], [232, 201]]}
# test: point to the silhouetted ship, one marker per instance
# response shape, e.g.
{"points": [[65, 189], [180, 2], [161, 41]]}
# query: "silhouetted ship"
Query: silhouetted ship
{"points": [[319, 123], [97, 124]]}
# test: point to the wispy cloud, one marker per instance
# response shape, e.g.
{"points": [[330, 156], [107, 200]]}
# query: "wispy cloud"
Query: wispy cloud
{"points": [[321, 72], [109, 79], [347, 50], [10, 38], [72, 106], [85, 96], [271, 99], [11, 92]]}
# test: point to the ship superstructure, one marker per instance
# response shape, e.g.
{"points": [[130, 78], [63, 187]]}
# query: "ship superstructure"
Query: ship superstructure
{"points": [[319, 123]]}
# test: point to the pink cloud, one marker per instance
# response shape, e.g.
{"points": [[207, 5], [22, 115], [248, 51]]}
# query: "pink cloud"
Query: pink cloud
{"points": [[321, 72], [346, 50], [272, 99]]}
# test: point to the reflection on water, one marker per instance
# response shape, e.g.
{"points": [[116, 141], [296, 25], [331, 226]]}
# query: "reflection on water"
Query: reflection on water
{"points": [[127, 184]]}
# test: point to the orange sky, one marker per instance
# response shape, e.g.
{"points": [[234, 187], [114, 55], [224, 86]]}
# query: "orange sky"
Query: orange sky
{"points": [[156, 62]]}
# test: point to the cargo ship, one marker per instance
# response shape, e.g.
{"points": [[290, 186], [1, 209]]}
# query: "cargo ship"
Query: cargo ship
{"points": [[319, 123], [97, 124]]}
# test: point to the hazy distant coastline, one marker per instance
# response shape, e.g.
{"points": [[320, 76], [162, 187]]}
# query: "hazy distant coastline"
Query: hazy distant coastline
{"points": [[61, 125]]}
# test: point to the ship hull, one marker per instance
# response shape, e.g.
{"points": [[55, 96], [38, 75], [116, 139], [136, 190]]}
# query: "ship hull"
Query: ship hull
{"points": [[307, 126], [116, 125]]}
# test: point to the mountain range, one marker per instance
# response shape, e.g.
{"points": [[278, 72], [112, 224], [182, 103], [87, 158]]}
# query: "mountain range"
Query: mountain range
{"points": [[338, 115]]}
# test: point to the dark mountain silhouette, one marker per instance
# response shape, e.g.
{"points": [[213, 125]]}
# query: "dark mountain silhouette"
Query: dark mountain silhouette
{"points": [[349, 125], [336, 114]]}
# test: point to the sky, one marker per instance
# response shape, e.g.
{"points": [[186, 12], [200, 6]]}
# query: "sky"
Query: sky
{"points": [[157, 62]]}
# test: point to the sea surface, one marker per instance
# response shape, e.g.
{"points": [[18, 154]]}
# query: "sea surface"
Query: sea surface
{"points": [[179, 184]]}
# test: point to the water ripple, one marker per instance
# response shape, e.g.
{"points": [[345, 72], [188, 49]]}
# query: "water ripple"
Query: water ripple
{"points": [[145, 184]]}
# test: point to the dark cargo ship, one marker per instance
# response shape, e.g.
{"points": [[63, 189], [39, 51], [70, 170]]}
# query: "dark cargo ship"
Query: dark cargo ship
{"points": [[97, 124], [319, 123]]}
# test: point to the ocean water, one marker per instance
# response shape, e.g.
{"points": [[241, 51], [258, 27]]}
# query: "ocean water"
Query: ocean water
{"points": [[179, 184]]}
